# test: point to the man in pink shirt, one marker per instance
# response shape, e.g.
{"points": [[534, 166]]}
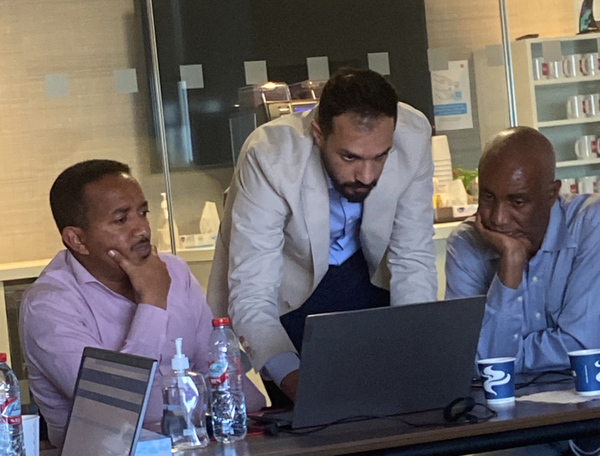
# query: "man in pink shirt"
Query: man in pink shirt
{"points": [[108, 289]]}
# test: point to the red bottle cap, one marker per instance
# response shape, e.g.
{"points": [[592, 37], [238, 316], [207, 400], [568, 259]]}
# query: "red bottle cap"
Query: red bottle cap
{"points": [[220, 322], [2, 357]]}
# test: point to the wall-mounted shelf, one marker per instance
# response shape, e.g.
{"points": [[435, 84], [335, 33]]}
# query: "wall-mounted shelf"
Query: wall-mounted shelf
{"points": [[552, 82], [566, 122], [541, 104], [570, 163]]}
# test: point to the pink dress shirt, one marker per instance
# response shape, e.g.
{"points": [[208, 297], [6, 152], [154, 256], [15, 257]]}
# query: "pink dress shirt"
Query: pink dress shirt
{"points": [[67, 309]]}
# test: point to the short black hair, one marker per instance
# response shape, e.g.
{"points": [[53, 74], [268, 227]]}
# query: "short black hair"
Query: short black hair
{"points": [[363, 92], [67, 195]]}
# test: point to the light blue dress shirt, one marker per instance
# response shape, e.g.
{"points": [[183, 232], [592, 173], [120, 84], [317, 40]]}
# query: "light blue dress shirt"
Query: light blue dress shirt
{"points": [[556, 308], [344, 241], [344, 226]]}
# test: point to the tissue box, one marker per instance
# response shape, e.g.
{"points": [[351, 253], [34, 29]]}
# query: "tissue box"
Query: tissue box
{"points": [[153, 444]]}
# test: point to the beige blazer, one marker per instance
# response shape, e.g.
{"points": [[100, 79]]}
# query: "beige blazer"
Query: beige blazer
{"points": [[273, 244]]}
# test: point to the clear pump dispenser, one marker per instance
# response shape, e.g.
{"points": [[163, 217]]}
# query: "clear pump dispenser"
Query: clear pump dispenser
{"points": [[185, 404]]}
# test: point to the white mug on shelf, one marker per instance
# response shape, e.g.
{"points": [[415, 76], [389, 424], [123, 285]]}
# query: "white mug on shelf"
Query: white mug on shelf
{"points": [[554, 70], [571, 65], [588, 65], [586, 147], [575, 107], [591, 105], [540, 69], [587, 184], [568, 186]]}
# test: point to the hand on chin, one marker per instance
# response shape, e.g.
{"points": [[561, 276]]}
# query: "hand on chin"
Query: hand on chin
{"points": [[504, 242]]}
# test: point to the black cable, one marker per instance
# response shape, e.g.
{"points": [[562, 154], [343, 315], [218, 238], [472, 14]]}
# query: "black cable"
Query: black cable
{"points": [[535, 380], [469, 418], [479, 419]]}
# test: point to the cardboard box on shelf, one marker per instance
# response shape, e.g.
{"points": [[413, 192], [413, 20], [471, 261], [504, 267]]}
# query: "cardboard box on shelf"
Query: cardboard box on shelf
{"points": [[453, 213]]}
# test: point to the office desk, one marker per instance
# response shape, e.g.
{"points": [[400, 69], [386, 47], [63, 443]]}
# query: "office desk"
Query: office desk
{"points": [[524, 424]]}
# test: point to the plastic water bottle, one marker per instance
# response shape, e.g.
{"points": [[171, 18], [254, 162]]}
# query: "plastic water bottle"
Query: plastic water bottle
{"points": [[185, 403], [225, 377], [11, 428]]}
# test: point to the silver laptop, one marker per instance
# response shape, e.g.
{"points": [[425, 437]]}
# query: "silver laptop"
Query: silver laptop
{"points": [[386, 361], [109, 403]]}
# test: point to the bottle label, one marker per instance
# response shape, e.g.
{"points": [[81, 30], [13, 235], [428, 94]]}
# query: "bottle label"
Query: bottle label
{"points": [[10, 411], [217, 373]]}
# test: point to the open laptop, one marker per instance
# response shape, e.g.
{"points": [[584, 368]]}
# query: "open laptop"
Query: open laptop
{"points": [[109, 403], [386, 361]]}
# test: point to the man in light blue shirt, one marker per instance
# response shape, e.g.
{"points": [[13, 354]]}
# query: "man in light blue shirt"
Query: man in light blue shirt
{"points": [[533, 253]]}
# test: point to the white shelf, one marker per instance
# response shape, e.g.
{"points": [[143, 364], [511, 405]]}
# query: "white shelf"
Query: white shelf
{"points": [[586, 36], [570, 163], [566, 122], [22, 270], [443, 230], [551, 82]]}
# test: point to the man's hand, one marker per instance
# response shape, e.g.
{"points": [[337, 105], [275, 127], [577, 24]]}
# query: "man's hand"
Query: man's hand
{"points": [[149, 278], [289, 384], [514, 253]]}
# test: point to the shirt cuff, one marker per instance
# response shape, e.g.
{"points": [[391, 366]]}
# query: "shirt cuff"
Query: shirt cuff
{"points": [[279, 366], [148, 331], [501, 299]]}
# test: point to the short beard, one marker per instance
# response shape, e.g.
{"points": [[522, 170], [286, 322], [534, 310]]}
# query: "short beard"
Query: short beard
{"points": [[342, 189]]}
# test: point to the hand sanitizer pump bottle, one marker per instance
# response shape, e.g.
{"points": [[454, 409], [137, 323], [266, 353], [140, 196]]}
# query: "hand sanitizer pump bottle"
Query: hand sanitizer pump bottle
{"points": [[184, 405]]}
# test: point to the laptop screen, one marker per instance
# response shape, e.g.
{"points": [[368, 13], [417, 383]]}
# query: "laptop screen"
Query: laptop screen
{"points": [[108, 404], [385, 361]]}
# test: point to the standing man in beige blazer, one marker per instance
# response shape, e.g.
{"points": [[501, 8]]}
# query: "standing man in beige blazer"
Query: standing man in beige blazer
{"points": [[327, 210]]}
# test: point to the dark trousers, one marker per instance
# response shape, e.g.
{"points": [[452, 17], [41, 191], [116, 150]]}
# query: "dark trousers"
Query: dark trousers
{"points": [[344, 287]]}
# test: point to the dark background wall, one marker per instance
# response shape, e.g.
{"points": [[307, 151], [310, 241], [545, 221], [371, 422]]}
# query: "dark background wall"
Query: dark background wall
{"points": [[221, 35]]}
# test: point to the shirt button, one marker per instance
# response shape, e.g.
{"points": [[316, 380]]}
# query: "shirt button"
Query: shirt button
{"points": [[538, 315], [516, 336], [535, 279], [520, 299]]}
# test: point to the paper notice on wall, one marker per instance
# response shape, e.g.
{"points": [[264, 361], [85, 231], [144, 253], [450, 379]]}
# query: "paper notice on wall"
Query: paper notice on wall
{"points": [[452, 97]]}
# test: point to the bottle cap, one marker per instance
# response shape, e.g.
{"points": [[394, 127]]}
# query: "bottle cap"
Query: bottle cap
{"points": [[179, 362], [220, 322], [2, 357]]}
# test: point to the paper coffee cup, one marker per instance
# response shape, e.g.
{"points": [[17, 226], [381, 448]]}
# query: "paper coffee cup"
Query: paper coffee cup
{"points": [[586, 369], [497, 377]]}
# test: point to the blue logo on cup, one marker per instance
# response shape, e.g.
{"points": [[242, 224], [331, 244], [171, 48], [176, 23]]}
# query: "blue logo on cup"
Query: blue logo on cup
{"points": [[586, 369], [497, 377]]}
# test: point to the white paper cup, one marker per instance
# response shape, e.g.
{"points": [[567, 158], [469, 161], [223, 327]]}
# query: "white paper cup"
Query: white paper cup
{"points": [[31, 434]]}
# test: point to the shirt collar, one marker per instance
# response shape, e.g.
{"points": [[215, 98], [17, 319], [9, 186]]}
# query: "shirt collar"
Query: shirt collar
{"points": [[557, 234], [328, 179], [81, 274]]}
